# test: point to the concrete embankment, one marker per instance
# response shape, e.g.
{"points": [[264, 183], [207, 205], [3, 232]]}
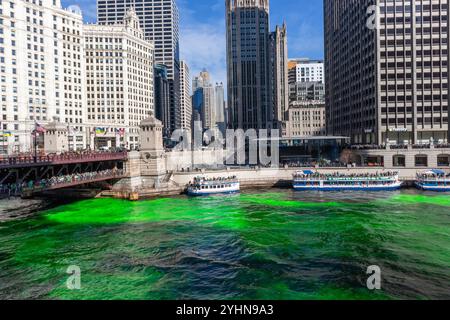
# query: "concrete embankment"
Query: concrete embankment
{"points": [[249, 178]]}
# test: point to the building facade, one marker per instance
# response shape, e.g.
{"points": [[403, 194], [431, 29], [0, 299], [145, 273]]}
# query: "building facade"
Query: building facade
{"points": [[306, 70], [209, 107], [279, 77], [221, 112], [160, 21], [162, 97], [248, 64], [387, 74], [307, 115], [120, 83], [204, 101], [186, 100], [197, 99], [307, 91], [41, 72], [306, 119]]}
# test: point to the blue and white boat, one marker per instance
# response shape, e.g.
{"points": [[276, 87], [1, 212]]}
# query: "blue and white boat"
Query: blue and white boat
{"points": [[433, 180], [309, 180], [202, 186]]}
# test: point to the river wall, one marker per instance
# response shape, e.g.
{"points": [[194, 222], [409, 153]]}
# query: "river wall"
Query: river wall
{"points": [[176, 183]]}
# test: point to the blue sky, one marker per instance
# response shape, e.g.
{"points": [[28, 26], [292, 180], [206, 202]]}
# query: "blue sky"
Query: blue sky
{"points": [[203, 30]]}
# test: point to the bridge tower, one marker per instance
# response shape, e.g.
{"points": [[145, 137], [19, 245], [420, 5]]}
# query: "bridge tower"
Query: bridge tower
{"points": [[152, 150], [56, 138], [146, 169]]}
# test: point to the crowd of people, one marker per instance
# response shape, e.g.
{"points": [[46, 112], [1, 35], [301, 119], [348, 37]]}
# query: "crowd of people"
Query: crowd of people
{"points": [[397, 146], [19, 188], [300, 164], [366, 147], [340, 175], [198, 180], [433, 174], [41, 157]]}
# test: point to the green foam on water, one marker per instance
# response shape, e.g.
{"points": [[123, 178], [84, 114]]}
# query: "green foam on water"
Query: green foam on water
{"points": [[292, 204], [416, 199], [112, 211]]}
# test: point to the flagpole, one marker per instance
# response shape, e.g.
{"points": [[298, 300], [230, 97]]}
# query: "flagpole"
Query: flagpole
{"points": [[3, 139], [35, 142]]}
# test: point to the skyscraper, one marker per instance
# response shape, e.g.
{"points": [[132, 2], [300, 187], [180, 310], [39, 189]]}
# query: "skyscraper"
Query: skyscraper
{"points": [[248, 64], [162, 97], [387, 78], [220, 108], [279, 76], [185, 98], [204, 100], [160, 22]]}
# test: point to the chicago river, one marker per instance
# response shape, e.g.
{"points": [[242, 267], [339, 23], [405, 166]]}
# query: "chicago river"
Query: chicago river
{"points": [[257, 245]]}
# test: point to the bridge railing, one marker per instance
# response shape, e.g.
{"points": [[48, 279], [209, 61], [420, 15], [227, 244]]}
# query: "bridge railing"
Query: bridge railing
{"points": [[61, 158]]}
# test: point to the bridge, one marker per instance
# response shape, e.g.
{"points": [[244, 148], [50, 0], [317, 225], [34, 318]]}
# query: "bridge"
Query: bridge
{"points": [[28, 175]]}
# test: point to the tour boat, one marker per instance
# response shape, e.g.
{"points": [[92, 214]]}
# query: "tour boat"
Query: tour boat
{"points": [[309, 180], [433, 180], [208, 186]]}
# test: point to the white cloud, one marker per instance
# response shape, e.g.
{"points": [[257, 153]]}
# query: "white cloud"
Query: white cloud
{"points": [[203, 46], [203, 39]]}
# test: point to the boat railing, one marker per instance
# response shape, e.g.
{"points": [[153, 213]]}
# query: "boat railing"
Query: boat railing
{"points": [[347, 180]]}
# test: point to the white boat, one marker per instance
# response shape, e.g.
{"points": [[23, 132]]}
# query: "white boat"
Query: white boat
{"points": [[310, 180], [433, 180], [202, 186]]}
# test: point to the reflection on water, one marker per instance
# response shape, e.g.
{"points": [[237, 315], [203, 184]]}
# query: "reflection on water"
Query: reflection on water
{"points": [[258, 245]]}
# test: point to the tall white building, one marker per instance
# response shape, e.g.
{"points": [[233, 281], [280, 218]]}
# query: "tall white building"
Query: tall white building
{"points": [[307, 70], [119, 77], [41, 71], [160, 21], [209, 107], [185, 97], [204, 100]]}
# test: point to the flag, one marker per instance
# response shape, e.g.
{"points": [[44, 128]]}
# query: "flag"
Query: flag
{"points": [[7, 134], [38, 128], [72, 130], [120, 132], [100, 130]]}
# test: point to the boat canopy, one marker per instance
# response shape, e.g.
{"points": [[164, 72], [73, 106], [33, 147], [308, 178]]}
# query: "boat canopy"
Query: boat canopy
{"points": [[307, 172]]}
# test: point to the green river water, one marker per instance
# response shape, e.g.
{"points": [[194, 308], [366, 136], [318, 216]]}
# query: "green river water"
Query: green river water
{"points": [[257, 245]]}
